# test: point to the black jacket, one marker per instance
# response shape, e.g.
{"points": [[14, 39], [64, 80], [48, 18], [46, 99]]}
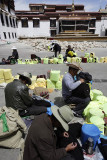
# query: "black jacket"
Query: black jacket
{"points": [[17, 95], [82, 91]]}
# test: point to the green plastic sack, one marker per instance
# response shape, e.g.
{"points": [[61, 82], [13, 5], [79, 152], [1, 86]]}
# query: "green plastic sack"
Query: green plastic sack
{"points": [[45, 60], [26, 61], [92, 104], [98, 121], [54, 75], [68, 59], [60, 56], [78, 59], [19, 61], [105, 111], [35, 61], [101, 98], [87, 55], [96, 112], [90, 60], [50, 84], [95, 60], [59, 85], [60, 61], [96, 93], [55, 60]]}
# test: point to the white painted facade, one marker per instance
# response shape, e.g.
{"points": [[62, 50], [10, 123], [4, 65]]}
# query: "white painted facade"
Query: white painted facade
{"points": [[42, 31], [9, 31], [101, 26]]}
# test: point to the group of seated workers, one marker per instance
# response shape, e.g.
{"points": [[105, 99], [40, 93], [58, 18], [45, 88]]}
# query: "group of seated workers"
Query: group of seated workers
{"points": [[41, 142]]}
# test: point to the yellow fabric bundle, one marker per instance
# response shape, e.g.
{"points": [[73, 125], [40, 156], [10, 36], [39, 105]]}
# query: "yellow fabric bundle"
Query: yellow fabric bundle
{"points": [[1, 73], [105, 59], [2, 80], [102, 59], [33, 79], [74, 59], [32, 86], [51, 61], [71, 53], [7, 74], [41, 82], [9, 80], [16, 77]]}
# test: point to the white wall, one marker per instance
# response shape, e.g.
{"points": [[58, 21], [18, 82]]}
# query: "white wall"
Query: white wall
{"points": [[42, 31], [8, 29], [100, 27]]}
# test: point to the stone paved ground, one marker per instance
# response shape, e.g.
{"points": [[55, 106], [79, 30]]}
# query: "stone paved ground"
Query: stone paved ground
{"points": [[98, 71]]}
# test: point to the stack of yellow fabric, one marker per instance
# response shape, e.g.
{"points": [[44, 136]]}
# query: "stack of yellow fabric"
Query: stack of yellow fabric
{"points": [[2, 76], [8, 75]]}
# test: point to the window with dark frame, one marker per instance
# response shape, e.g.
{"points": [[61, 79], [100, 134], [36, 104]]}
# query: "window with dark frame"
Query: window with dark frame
{"points": [[11, 21], [12, 35], [15, 35], [16, 23], [9, 35], [7, 20], [5, 35], [24, 22], [36, 22], [2, 19], [52, 22]]}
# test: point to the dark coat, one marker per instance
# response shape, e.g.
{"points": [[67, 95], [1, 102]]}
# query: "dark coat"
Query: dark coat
{"points": [[17, 95], [82, 91], [15, 54], [40, 143], [57, 48]]}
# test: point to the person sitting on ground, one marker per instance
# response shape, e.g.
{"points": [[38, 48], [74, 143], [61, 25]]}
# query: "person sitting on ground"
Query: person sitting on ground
{"points": [[56, 48], [69, 52], [69, 84], [17, 96], [15, 53], [41, 140]]}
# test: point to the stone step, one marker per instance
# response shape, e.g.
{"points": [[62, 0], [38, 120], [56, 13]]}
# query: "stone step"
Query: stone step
{"points": [[78, 35], [76, 32], [74, 38]]}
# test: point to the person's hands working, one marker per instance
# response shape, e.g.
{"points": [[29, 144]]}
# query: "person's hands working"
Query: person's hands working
{"points": [[71, 146], [82, 80], [66, 134]]}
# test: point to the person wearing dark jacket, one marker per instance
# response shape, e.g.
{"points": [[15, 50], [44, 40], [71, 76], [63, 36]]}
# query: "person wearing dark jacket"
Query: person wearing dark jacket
{"points": [[41, 140], [69, 84], [68, 51], [17, 96], [56, 48], [15, 53]]}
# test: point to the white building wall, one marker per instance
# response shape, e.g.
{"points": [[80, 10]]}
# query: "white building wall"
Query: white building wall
{"points": [[101, 26], [7, 29], [42, 31]]}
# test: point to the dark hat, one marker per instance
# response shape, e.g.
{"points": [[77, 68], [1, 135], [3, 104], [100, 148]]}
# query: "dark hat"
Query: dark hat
{"points": [[75, 65], [27, 77]]}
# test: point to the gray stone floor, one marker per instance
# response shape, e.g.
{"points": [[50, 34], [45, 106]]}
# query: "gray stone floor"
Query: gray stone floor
{"points": [[98, 71]]}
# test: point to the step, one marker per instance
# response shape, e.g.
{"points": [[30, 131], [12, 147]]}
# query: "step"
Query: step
{"points": [[78, 35], [90, 38]]}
